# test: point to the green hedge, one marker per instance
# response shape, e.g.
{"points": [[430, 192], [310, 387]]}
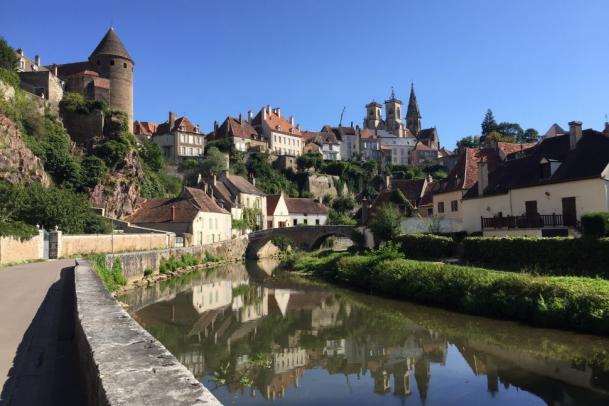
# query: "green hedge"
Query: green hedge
{"points": [[552, 256], [595, 225], [566, 302], [426, 246]]}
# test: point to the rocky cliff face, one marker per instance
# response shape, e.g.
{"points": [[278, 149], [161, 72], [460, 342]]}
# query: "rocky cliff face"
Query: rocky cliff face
{"points": [[120, 194], [18, 165]]}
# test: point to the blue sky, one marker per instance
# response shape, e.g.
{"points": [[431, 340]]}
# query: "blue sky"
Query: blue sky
{"points": [[534, 62]]}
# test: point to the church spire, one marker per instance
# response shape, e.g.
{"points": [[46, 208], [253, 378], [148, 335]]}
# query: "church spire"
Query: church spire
{"points": [[413, 115]]}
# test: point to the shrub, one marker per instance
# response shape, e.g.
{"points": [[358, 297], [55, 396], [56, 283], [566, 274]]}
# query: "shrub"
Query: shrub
{"points": [[282, 243], [385, 223], [10, 77], [426, 246], [148, 271], [96, 224], [209, 257], [552, 256], [567, 302], [112, 278], [17, 229], [94, 170], [595, 224], [338, 218]]}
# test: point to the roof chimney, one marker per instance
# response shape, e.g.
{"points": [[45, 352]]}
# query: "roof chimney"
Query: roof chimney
{"points": [[575, 133], [264, 112], [172, 120], [20, 51], [352, 124], [292, 121], [240, 119], [606, 130], [215, 126], [37, 60], [482, 177], [55, 70], [250, 116], [278, 112]]}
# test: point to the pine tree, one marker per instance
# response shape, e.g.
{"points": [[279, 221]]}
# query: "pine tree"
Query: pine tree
{"points": [[489, 124]]}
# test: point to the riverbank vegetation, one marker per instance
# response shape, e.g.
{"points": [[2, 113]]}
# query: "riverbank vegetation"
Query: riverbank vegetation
{"points": [[113, 278], [577, 303]]}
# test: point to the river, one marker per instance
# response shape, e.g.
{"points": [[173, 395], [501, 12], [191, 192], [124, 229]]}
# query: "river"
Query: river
{"points": [[254, 335]]}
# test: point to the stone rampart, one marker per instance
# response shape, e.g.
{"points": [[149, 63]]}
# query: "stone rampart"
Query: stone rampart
{"points": [[122, 364], [73, 245], [14, 250]]}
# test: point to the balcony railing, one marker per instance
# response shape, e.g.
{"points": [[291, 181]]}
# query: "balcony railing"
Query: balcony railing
{"points": [[529, 221]]}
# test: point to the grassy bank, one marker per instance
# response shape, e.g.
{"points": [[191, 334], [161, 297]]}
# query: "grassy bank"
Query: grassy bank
{"points": [[577, 303]]}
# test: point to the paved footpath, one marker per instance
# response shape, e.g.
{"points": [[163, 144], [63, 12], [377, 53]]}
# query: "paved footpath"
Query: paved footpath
{"points": [[37, 357]]}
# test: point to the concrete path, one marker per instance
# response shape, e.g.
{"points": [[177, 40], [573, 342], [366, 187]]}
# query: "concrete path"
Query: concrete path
{"points": [[37, 361]]}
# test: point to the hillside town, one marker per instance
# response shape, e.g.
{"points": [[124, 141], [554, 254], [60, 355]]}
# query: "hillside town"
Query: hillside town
{"points": [[539, 188], [244, 256]]}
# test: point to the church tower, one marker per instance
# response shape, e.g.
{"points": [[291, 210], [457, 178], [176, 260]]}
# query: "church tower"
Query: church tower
{"points": [[112, 61], [373, 116], [393, 115], [413, 115]]}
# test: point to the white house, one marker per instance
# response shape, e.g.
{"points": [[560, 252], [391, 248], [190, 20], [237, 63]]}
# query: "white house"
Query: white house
{"points": [[544, 190], [283, 136]]}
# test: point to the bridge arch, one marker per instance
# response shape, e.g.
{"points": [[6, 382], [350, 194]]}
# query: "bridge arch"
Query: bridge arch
{"points": [[306, 238]]}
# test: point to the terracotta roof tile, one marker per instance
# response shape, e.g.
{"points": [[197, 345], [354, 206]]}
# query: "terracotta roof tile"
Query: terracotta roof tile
{"points": [[271, 203], [276, 122], [304, 205]]}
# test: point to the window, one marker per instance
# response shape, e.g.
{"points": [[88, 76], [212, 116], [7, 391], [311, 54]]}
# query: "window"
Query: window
{"points": [[98, 62], [317, 221], [545, 170], [125, 65], [112, 62], [430, 211], [440, 207], [530, 207], [454, 205], [305, 221], [295, 221]]}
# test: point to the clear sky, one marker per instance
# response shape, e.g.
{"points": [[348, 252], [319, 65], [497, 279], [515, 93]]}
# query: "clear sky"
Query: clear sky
{"points": [[534, 62]]}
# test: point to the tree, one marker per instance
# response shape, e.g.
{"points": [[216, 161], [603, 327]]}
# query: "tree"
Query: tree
{"points": [[152, 155], [214, 163], [530, 135], [309, 160], [385, 223], [337, 218], [488, 124], [510, 130], [343, 204], [93, 171], [499, 137], [469, 142], [8, 59]]}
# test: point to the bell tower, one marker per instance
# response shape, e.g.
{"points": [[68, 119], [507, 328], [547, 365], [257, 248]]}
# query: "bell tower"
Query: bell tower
{"points": [[393, 113], [373, 116]]}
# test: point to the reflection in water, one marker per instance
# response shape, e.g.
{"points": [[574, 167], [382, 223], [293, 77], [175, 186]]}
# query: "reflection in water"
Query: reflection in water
{"points": [[332, 346]]}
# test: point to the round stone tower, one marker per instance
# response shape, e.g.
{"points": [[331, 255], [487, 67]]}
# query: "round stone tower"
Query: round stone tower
{"points": [[112, 61]]}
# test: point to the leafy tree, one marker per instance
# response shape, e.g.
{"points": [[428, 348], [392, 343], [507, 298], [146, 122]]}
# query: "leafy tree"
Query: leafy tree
{"points": [[530, 135], [214, 163], [309, 160], [8, 59], [337, 218], [112, 152], [499, 137], [488, 124], [385, 223], [269, 179], [510, 130], [151, 154], [343, 204], [93, 171], [96, 224], [469, 142]]}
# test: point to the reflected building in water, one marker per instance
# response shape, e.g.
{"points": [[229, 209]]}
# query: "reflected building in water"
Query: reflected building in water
{"points": [[219, 320]]}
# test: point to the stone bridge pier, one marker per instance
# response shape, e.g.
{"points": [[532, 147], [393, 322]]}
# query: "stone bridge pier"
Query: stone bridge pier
{"points": [[306, 238]]}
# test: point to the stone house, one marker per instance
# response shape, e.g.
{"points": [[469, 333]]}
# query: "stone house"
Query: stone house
{"points": [[234, 193], [193, 215], [39, 80], [241, 132], [323, 142], [349, 141], [283, 136], [179, 138], [416, 191], [303, 211], [543, 190]]}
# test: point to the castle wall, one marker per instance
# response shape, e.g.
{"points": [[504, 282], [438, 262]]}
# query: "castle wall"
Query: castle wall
{"points": [[120, 73]]}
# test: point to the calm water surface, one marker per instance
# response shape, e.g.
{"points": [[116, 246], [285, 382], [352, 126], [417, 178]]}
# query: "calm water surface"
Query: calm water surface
{"points": [[254, 337]]}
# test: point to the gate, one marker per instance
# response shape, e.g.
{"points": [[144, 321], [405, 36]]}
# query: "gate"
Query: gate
{"points": [[45, 244]]}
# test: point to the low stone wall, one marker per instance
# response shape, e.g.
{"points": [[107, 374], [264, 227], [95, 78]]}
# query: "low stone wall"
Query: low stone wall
{"points": [[122, 363], [14, 250], [134, 263], [78, 245]]}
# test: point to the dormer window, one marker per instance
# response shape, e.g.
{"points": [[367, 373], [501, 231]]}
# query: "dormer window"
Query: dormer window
{"points": [[547, 167]]}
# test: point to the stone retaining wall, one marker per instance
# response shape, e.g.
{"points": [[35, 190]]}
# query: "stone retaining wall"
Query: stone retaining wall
{"points": [[14, 250], [78, 245], [134, 263], [121, 362]]}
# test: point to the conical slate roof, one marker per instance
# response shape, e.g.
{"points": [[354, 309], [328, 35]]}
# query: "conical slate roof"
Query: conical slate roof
{"points": [[111, 44]]}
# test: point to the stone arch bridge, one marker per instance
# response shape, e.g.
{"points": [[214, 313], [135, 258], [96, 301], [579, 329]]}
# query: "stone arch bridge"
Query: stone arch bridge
{"points": [[306, 238]]}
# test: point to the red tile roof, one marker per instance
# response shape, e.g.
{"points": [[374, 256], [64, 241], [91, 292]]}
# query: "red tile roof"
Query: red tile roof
{"points": [[509, 148], [184, 122], [304, 205], [276, 122], [144, 127], [465, 173], [202, 200], [68, 69], [234, 127], [164, 211], [271, 203]]}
